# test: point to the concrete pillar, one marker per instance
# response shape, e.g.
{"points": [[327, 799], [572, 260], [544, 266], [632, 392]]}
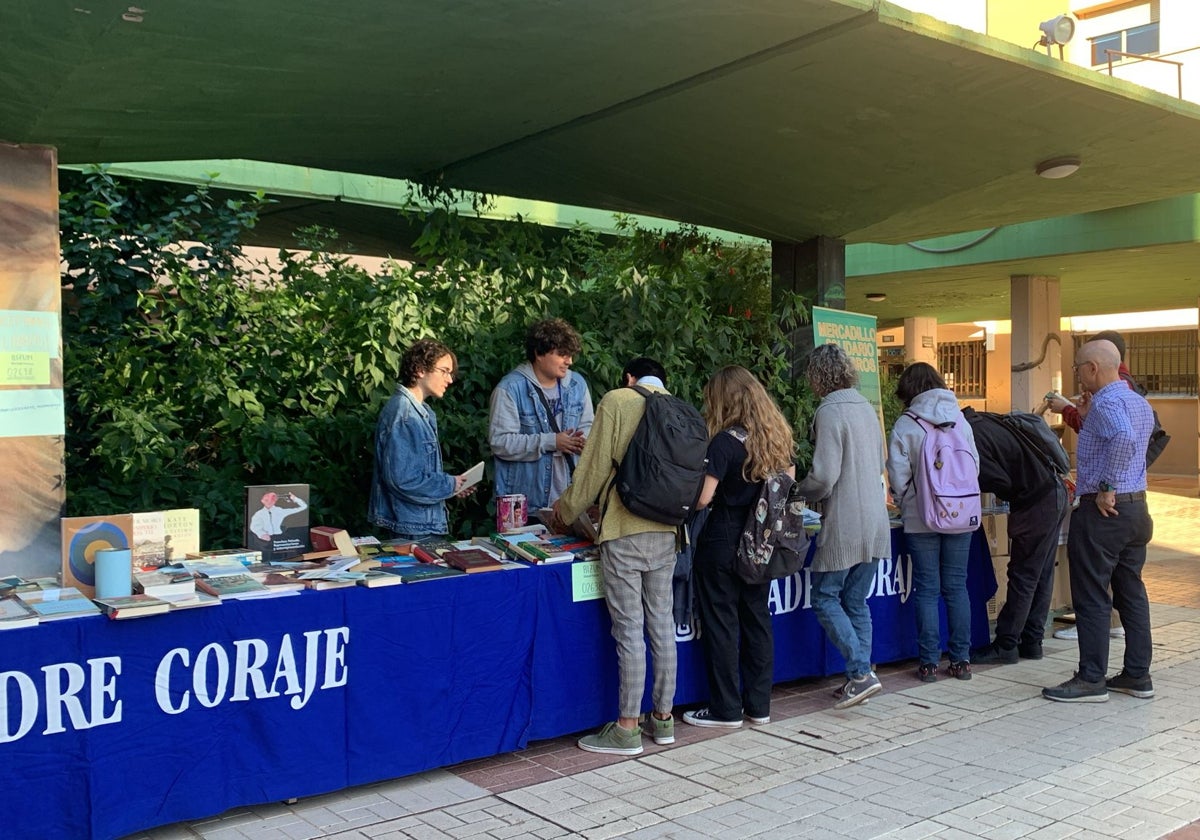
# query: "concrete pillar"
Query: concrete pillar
{"points": [[814, 269], [920, 340], [1036, 342]]}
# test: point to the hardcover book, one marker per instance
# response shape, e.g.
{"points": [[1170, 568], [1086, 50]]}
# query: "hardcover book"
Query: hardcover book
{"points": [[232, 586], [149, 540], [277, 520], [417, 572], [377, 577], [82, 537], [132, 606], [472, 560], [431, 550]]}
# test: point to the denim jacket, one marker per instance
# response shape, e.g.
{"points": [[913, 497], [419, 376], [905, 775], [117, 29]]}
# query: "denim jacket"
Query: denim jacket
{"points": [[520, 436], [409, 488]]}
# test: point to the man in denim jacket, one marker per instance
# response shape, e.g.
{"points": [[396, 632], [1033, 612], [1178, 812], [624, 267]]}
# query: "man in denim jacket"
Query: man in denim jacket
{"points": [[541, 413], [409, 488]]}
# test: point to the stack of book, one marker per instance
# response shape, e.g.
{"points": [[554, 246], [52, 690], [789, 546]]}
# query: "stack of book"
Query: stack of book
{"points": [[529, 546]]}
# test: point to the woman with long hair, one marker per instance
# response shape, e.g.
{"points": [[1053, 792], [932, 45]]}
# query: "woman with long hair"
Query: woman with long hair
{"points": [[749, 440], [939, 560], [847, 476]]}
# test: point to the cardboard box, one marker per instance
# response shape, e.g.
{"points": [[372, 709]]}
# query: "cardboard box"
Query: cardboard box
{"points": [[995, 527]]}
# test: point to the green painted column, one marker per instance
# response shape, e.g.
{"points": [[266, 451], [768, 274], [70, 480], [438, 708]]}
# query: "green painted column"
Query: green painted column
{"points": [[814, 269]]}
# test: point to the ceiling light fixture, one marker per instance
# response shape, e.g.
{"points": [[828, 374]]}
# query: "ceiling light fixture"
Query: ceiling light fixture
{"points": [[876, 297], [1058, 167]]}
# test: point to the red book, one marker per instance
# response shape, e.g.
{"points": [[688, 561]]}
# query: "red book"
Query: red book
{"points": [[472, 560]]}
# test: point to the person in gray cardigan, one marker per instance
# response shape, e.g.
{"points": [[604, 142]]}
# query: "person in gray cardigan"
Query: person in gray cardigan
{"points": [[847, 475]]}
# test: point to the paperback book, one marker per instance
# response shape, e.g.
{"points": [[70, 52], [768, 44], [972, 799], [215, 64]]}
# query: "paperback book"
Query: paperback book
{"points": [[277, 520], [164, 582], [16, 613], [82, 537], [56, 604]]}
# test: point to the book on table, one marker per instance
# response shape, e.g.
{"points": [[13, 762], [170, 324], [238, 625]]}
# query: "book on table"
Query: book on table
{"points": [[56, 604], [529, 546], [187, 602], [164, 581], [82, 537], [432, 549], [233, 587], [418, 572], [16, 613], [276, 518], [131, 606], [472, 560], [245, 556], [373, 578]]}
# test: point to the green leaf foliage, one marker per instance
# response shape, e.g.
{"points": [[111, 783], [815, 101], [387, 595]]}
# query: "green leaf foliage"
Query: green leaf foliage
{"points": [[192, 371]]}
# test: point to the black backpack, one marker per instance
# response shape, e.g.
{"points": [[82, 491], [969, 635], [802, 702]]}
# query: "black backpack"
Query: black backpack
{"points": [[1036, 434], [1158, 436], [663, 469]]}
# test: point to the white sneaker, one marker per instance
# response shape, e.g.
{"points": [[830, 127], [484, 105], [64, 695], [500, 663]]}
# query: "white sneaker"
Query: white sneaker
{"points": [[1116, 632]]}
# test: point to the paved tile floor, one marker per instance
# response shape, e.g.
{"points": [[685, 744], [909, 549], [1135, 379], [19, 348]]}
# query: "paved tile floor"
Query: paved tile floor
{"points": [[981, 759]]}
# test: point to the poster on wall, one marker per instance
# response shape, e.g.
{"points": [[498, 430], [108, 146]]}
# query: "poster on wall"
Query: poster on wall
{"points": [[31, 373], [855, 333]]}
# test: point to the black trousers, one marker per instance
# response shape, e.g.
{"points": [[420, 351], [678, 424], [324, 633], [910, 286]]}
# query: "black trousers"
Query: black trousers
{"points": [[1103, 552], [735, 623], [1034, 534]]}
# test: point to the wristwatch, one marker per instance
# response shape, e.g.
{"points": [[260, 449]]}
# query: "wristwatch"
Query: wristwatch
{"points": [[1105, 487]]}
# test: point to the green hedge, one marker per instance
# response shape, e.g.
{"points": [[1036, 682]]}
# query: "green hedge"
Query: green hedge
{"points": [[191, 372]]}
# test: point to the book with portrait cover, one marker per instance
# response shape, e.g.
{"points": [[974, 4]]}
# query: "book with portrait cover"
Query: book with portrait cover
{"points": [[277, 520], [82, 537]]}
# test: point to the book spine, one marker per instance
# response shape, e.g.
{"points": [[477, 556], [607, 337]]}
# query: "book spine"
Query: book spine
{"points": [[424, 556]]}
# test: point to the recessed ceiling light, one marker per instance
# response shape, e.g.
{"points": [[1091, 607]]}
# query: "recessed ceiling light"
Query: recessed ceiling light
{"points": [[1058, 167], [876, 297]]}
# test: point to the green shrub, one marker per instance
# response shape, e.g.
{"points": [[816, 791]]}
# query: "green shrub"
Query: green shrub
{"points": [[191, 372]]}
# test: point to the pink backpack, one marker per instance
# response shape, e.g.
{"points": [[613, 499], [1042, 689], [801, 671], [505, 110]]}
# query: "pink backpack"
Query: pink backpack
{"points": [[947, 479]]}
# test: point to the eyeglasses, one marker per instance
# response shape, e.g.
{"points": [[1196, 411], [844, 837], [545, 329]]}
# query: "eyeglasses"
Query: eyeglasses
{"points": [[1077, 364], [447, 372]]}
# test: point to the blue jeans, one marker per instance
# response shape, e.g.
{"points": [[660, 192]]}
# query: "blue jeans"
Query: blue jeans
{"points": [[940, 568], [840, 601]]}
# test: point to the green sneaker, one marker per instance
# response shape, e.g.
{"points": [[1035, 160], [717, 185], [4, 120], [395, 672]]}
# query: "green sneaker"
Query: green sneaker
{"points": [[662, 731], [614, 740]]}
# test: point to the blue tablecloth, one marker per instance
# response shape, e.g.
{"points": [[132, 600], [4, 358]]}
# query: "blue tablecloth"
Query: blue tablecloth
{"points": [[110, 727], [575, 661]]}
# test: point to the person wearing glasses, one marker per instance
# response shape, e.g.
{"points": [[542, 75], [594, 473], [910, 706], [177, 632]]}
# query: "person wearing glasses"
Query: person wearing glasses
{"points": [[1106, 543], [409, 487], [540, 416]]}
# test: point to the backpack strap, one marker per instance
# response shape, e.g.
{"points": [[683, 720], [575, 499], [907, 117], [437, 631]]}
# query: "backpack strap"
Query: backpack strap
{"points": [[610, 485], [554, 426]]}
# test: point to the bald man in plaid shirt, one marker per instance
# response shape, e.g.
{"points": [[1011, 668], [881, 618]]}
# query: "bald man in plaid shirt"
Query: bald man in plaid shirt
{"points": [[1106, 545]]}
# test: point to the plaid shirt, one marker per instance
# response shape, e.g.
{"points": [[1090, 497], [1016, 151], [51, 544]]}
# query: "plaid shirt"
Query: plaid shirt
{"points": [[1112, 442]]}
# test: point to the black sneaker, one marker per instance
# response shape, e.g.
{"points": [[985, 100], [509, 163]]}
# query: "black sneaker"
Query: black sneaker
{"points": [[1030, 650], [927, 672], [959, 670], [993, 654], [1076, 690], [1141, 687]]}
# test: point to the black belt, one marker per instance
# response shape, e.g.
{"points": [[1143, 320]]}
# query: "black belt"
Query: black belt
{"points": [[1137, 496]]}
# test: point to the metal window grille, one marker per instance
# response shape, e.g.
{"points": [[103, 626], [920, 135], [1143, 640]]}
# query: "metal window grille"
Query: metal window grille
{"points": [[1163, 362], [963, 364]]}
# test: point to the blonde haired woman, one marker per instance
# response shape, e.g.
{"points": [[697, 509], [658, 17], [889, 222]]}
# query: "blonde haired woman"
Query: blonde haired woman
{"points": [[749, 440]]}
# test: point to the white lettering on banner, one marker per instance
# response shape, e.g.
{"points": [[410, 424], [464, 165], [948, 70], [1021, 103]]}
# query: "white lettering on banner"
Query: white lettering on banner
{"points": [[28, 705], [893, 577], [63, 684], [790, 593], [213, 677]]}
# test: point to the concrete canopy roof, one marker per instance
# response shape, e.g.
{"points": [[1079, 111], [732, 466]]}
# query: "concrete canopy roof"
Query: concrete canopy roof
{"points": [[782, 119]]}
